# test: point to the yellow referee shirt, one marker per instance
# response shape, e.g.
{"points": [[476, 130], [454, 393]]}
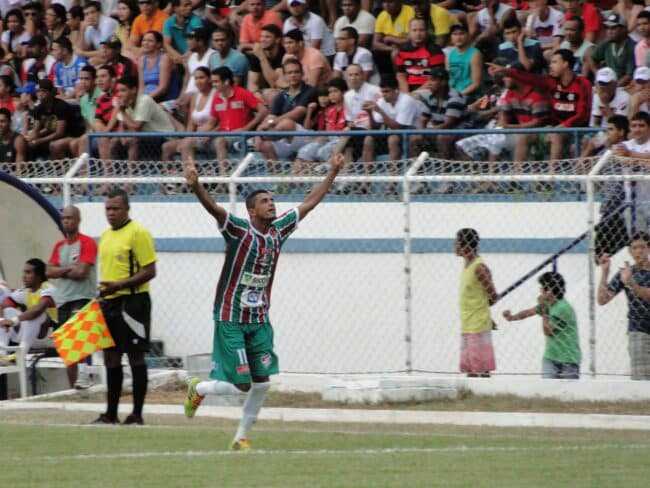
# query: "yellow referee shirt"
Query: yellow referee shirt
{"points": [[123, 252]]}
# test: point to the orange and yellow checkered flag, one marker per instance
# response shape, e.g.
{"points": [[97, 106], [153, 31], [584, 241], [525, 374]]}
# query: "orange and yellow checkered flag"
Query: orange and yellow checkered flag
{"points": [[83, 334]]}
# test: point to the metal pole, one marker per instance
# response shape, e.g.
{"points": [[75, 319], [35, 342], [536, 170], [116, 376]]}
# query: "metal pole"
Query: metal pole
{"points": [[232, 184], [408, 296], [591, 256], [67, 196]]}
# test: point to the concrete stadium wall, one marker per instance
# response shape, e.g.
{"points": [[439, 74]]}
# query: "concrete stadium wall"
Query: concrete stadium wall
{"points": [[338, 298]]}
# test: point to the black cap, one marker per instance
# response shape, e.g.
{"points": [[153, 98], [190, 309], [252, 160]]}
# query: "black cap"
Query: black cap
{"points": [[113, 42]]}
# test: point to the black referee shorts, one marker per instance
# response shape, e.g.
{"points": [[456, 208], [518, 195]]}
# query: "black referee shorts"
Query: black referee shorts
{"points": [[68, 309], [128, 318]]}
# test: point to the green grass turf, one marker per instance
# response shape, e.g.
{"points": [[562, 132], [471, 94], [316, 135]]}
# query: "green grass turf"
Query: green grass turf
{"points": [[175, 452]]}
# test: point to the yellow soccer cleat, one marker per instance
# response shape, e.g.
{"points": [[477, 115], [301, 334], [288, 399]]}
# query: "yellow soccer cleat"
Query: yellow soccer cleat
{"points": [[240, 445], [193, 399]]}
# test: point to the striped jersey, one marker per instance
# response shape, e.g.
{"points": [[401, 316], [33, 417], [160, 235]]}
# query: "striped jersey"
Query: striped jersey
{"points": [[244, 290]]}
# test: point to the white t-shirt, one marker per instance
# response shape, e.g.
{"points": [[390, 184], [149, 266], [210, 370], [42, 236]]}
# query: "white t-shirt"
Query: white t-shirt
{"points": [[353, 100], [17, 40], [545, 30], [483, 17], [313, 29], [633, 146], [105, 28], [194, 62], [361, 56], [364, 23], [20, 296], [619, 104], [406, 111]]}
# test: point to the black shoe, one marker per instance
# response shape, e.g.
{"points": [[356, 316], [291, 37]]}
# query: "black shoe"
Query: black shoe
{"points": [[105, 419], [133, 420]]}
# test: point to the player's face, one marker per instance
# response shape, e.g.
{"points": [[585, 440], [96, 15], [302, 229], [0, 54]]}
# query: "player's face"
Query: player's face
{"points": [[558, 66], [69, 221], [117, 212], [614, 134], [264, 207], [639, 251], [29, 276]]}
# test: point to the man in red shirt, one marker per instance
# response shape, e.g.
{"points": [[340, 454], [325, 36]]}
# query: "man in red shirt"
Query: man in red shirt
{"points": [[570, 94], [588, 13], [234, 109], [522, 107], [416, 58]]}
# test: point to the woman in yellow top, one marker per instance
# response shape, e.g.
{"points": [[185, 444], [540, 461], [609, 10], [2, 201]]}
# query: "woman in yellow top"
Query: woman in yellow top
{"points": [[37, 298], [477, 294]]}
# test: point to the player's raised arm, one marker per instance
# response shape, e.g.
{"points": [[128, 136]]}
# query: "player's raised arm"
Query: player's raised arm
{"points": [[192, 178], [317, 193]]}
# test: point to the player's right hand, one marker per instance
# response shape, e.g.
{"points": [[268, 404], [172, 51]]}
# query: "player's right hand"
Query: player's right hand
{"points": [[191, 174], [508, 316]]}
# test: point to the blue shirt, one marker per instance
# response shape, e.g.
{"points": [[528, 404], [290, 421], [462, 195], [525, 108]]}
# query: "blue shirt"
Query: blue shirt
{"points": [[236, 61], [178, 33], [66, 76], [638, 310]]}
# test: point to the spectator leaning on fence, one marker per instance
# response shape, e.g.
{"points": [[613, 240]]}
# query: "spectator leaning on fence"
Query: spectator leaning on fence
{"points": [[73, 264], [127, 262], [635, 281]]}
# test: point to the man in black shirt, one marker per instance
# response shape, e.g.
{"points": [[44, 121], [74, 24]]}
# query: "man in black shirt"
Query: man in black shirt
{"points": [[288, 111], [54, 119], [266, 61]]}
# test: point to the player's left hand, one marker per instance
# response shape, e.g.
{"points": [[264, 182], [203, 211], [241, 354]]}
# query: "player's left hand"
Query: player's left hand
{"points": [[507, 314], [337, 161], [191, 174], [107, 288]]}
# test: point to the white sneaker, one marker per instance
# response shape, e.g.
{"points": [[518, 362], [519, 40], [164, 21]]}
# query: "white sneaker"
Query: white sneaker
{"points": [[83, 382]]}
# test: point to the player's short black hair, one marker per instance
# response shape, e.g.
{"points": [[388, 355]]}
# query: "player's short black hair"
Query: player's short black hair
{"points": [[554, 283], [338, 83], [566, 55], [468, 238], [90, 69], [224, 73], [250, 198], [621, 122], [640, 236], [119, 192], [39, 268], [388, 81], [511, 22], [273, 29], [352, 32]]}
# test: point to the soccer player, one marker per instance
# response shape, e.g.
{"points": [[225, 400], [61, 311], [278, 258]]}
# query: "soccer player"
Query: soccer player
{"points": [[477, 294], [27, 311], [243, 355], [562, 352], [72, 264]]}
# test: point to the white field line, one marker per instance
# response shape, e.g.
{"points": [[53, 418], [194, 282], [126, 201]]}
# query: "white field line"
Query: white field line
{"points": [[329, 452], [333, 415]]}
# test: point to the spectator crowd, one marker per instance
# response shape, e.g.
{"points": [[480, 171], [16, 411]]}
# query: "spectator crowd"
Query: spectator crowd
{"points": [[68, 69]]}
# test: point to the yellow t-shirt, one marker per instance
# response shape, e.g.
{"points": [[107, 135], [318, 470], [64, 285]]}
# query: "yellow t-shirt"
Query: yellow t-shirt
{"points": [[398, 27], [123, 252], [474, 304], [442, 20], [29, 298]]}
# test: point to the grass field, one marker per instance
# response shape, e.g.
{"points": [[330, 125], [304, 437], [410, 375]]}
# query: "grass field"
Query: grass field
{"points": [[55, 448]]}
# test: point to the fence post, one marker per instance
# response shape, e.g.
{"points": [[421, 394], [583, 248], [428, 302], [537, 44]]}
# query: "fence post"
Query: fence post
{"points": [[232, 185], [408, 296], [591, 258], [67, 196]]}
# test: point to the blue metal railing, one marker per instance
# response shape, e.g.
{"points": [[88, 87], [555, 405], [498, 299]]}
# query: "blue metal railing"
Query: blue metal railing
{"points": [[574, 132]]}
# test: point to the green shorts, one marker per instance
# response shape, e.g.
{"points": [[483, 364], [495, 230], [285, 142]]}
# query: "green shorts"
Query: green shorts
{"points": [[241, 351]]}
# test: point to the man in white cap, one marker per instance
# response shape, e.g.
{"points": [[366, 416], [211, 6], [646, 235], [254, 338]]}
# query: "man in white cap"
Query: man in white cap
{"points": [[640, 99], [617, 51], [609, 99]]}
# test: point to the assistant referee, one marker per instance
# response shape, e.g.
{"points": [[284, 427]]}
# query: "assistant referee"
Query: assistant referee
{"points": [[127, 259]]}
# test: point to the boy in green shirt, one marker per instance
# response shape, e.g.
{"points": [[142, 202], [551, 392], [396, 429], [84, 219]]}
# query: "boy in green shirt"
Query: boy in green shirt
{"points": [[562, 352]]}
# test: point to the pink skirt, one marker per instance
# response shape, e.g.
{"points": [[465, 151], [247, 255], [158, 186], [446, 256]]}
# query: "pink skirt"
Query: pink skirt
{"points": [[477, 353]]}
